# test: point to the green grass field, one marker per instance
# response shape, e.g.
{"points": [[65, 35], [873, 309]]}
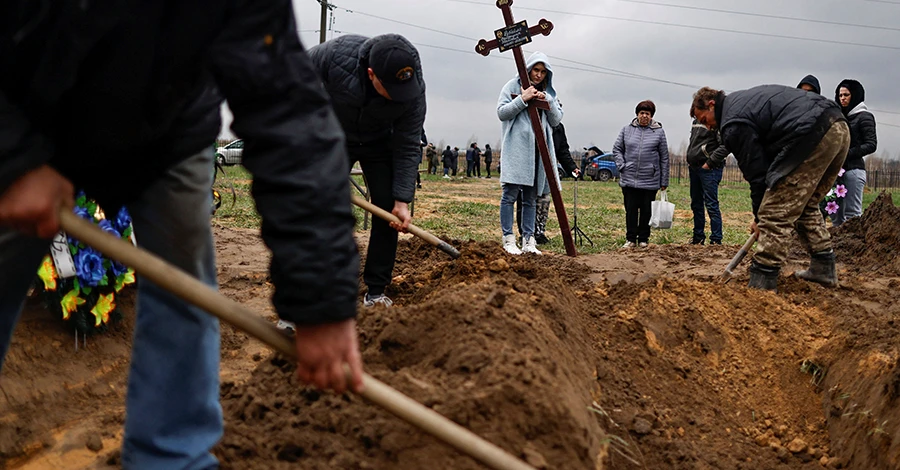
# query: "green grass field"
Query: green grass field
{"points": [[464, 209]]}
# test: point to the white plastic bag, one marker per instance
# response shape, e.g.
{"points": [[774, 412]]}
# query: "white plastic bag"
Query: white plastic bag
{"points": [[662, 212]]}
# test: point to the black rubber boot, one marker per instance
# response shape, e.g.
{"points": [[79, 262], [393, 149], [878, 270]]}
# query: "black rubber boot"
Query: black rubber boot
{"points": [[821, 269], [763, 277]]}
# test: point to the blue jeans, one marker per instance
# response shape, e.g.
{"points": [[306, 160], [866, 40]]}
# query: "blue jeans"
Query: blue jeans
{"points": [[508, 210], [173, 414], [705, 194], [851, 205]]}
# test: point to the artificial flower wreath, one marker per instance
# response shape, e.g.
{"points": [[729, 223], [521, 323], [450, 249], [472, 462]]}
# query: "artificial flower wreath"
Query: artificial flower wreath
{"points": [[82, 288]]}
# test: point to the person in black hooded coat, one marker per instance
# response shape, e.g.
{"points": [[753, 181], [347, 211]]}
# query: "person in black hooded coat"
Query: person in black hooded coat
{"points": [[851, 96], [810, 83]]}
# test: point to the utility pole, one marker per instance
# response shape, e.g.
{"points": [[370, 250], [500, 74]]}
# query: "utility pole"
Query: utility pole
{"points": [[323, 24]]}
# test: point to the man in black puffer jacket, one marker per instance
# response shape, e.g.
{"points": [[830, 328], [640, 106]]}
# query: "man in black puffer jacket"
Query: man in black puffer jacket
{"points": [[378, 92], [122, 99], [790, 145], [851, 96]]}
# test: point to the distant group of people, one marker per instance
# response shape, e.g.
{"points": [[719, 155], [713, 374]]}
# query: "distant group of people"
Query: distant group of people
{"points": [[449, 160]]}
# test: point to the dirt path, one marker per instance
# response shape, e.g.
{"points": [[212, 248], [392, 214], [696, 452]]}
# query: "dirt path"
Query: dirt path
{"points": [[626, 359]]}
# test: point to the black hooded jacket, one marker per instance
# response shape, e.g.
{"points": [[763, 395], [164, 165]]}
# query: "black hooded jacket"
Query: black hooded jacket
{"points": [[561, 147], [772, 129], [705, 147], [366, 116], [863, 138], [113, 93], [812, 81]]}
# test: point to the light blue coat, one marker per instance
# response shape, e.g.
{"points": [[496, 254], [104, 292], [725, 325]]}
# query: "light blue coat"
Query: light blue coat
{"points": [[517, 157]]}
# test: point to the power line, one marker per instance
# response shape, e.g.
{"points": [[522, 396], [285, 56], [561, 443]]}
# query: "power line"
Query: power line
{"points": [[883, 1], [407, 24], [503, 57], [608, 69], [602, 70], [705, 28], [762, 15]]}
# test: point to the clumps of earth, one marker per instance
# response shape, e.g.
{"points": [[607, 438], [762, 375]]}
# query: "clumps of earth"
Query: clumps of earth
{"points": [[567, 373]]}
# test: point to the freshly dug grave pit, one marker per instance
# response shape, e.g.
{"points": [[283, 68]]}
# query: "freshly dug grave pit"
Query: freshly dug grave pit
{"points": [[559, 371]]}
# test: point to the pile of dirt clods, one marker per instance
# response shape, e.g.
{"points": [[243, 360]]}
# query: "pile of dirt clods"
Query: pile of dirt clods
{"points": [[870, 242], [494, 343], [566, 374]]}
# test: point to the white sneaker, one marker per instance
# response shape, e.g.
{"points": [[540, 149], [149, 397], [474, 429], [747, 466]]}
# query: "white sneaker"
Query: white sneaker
{"points": [[377, 299], [509, 244], [530, 246], [446, 177], [286, 326], [643, 245], [628, 245]]}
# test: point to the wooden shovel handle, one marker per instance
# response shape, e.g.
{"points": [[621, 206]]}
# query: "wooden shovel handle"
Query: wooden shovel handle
{"points": [[419, 232], [189, 289], [741, 253]]}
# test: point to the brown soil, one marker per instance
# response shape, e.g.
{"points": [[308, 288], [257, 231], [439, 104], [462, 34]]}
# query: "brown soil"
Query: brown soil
{"points": [[626, 359], [870, 242]]}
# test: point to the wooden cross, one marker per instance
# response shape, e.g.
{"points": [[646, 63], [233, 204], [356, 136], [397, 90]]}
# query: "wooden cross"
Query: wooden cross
{"points": [[512, 37]]}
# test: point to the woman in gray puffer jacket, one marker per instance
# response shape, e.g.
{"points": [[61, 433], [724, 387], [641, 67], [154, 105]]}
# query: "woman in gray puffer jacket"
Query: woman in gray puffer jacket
{"points": [[642, 157]]}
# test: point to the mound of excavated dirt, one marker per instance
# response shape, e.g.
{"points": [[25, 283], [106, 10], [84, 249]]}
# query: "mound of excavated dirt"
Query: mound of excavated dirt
{"points": [[493, 342], [870, 242], [529, 354], [540, 355]]}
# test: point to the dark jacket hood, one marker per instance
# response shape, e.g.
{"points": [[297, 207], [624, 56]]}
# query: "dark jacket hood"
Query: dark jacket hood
{"points": [[812, 81], [857, 94]]}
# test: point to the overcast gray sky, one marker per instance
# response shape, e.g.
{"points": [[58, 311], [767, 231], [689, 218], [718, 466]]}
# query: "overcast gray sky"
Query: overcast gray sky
{"points": [[463, 86]]}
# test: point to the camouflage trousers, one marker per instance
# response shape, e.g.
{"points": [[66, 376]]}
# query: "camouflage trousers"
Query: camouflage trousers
{"points": [[793, 204], [542, 213]]}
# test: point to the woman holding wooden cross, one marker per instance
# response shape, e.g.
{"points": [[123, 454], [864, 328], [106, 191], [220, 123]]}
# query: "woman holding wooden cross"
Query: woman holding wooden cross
{"points": [[522, 167]]}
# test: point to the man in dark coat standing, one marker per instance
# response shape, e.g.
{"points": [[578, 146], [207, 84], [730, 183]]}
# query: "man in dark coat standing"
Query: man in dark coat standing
{"points": [[447, 159], [139, 86], [790, 145], [378, 92]]}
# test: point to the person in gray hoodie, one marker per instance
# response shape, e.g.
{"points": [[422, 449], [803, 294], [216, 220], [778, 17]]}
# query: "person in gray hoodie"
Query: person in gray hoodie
{"points": [[851, 96], [642, 157], [523, 169]]}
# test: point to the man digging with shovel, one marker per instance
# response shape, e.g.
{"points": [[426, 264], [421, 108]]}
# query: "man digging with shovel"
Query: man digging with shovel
{"points": [[790, 146], [138, 87]]}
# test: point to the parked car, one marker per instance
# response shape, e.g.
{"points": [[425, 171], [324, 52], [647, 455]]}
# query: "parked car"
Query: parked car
{"points": [[230, 154], [602, 168]]}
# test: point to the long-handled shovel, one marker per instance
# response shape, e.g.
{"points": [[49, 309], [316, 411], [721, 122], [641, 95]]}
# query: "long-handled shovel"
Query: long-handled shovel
{"points": [[419, 232], [195, 292], [729, 271]]}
